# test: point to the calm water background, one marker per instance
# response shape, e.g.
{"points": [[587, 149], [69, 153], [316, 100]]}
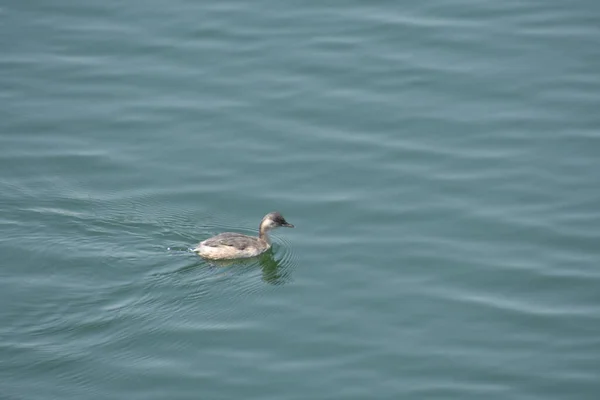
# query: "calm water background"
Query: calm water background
{"points": [[440, 161]]}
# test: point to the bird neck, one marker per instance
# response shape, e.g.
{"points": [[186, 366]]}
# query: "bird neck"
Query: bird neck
{"points": [[263, 232]]}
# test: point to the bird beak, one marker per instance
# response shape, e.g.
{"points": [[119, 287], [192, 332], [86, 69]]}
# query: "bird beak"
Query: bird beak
{"points": [[288, 225]]}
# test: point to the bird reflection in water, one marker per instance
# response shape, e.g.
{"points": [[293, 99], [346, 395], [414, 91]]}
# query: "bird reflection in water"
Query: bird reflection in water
{"points": [[272, 272]]}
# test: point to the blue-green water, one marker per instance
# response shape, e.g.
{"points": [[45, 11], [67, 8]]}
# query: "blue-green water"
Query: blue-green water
{"points": [[439, 159]]}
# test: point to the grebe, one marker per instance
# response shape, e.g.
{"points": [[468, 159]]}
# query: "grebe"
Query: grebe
{"points": [[229, 245]]}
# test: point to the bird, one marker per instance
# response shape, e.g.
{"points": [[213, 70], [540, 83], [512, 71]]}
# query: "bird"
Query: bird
{"points": [[230, 245]]}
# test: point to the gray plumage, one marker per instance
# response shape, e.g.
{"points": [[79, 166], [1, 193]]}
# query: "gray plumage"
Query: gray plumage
{"points": [[237, 240], [231, 245]]}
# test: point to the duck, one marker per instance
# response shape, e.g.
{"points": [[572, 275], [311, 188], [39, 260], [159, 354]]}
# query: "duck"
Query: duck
{"points": [[231, 245]]}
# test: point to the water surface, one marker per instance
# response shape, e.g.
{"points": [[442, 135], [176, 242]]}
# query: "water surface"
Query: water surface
{"points": [[439, 161]]}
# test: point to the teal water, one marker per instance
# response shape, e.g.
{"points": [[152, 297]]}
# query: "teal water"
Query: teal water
{"points": [[439, 159]]}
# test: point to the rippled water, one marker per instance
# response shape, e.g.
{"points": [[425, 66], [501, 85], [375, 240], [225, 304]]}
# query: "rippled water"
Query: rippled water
{"points": [[439, 161]]}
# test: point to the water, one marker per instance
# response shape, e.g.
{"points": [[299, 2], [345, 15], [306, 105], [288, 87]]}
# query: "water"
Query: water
{"points": [[439, 160]]}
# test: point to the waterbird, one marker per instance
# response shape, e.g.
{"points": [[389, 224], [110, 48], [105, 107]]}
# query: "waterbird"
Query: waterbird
{"points": [[230, 245]]}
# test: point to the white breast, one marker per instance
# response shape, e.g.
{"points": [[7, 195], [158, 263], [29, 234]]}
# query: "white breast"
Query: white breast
{"points": [[226, 252]]}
